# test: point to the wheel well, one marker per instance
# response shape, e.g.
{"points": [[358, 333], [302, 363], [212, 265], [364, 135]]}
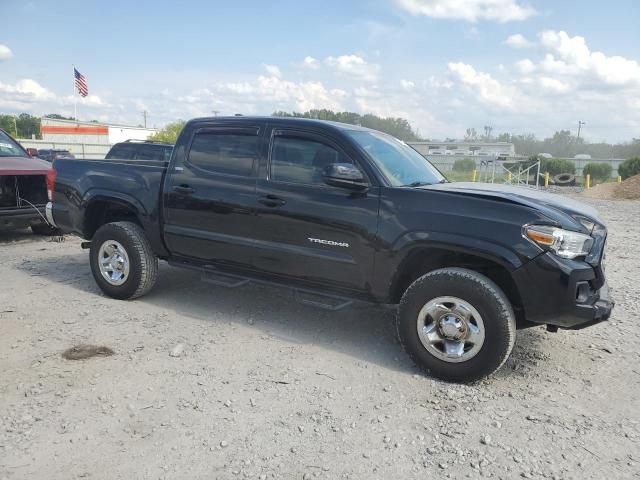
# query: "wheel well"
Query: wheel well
{"points": [[425, 260], [101, 212]]}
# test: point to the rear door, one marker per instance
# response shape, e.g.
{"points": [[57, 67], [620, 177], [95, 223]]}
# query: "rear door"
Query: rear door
{"points": [[210, 194], [305, 229]]}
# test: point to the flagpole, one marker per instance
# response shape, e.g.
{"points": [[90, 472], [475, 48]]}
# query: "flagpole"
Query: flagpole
{"points": [[75, 99]]}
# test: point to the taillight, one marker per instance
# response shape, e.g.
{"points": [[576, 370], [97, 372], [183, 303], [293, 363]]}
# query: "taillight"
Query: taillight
{"points": [[51, 180]]}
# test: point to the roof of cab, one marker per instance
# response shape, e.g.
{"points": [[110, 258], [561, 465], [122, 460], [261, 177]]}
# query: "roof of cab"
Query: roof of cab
{"points": [[283, 121]]}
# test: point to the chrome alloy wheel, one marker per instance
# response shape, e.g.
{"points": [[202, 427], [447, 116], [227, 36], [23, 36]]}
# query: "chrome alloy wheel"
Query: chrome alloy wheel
{"points": [[450, 329], [113, 262]]}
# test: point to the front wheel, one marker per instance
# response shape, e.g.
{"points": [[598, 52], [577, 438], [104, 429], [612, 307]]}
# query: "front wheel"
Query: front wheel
{"points": [[122, 261], [456, 324]]}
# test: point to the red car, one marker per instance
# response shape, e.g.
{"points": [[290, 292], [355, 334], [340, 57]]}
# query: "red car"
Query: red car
{"points": [[23, 188]]}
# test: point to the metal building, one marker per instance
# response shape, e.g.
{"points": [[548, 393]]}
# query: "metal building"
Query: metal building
{"points": [[70, 131], [465, 149]]}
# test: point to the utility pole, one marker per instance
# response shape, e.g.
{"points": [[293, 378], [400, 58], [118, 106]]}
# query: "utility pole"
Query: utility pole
{"points": [[15, 125], [144, 114], [580, 123], [487, 132], [215, 112]]}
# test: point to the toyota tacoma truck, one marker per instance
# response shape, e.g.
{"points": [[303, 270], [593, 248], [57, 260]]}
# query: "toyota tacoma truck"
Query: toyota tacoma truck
{"points": [[340, 213]]}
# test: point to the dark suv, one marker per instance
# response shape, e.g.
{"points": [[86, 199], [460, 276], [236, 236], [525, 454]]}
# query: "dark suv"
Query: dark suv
{"points": [[53, 154], [140, 150]]}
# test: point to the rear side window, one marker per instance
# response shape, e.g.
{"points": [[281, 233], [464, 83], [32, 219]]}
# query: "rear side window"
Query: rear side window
{"points": [[223, 152], [151, 152], [122, 151]]}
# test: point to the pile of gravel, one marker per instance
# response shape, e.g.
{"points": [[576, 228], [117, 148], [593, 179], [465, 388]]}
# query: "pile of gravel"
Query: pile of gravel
{"points": [[629, 190]]}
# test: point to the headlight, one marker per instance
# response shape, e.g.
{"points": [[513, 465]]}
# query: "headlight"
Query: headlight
{"points": [[564, 243]]}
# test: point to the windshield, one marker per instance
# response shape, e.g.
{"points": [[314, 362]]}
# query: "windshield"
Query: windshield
{"points": [[9, 148], [399, 163]]}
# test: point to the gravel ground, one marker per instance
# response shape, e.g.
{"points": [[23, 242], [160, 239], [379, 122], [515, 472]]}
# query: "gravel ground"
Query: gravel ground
{"points": [[208, 382]]}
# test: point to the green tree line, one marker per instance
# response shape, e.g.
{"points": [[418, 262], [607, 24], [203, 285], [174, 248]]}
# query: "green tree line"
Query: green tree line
{"points": [[398, 127], [565, 145], [25, 125]]}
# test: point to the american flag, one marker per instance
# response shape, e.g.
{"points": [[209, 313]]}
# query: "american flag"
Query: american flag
{"points": [[81, 83]]}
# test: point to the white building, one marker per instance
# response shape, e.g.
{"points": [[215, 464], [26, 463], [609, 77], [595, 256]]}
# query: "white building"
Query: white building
{"points": [[71, 131], [465, 149]]}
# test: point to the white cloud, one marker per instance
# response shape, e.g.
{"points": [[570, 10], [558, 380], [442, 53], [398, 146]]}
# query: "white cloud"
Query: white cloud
{"points": [[488, 90], [27, 95], [571, 56], [273, 70], [553, 85], [407, 85], [470, 10], [354, 66], [525, 66], [518, 41], [310, 62], [274, 93], [27, 89], [5, 53]]}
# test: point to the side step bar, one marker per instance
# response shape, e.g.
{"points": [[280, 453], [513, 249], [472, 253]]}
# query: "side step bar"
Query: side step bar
{"points": [[223, 279], [301, 295]]}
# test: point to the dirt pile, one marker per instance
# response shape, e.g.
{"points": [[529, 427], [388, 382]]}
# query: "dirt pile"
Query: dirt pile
{"points": [[628, 190]]}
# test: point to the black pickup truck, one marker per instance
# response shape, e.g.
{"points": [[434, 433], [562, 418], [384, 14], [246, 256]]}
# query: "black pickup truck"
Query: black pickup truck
{"points": [[341, 212]]}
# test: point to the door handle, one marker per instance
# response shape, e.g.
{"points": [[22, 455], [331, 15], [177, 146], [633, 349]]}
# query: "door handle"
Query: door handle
{"points": [[272, 201], [183, 189]]}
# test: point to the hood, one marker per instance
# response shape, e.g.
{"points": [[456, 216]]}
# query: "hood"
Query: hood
{"points": [[23, 166], [556, 207]]}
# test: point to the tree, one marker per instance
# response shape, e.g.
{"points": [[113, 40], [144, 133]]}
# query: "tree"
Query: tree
{"points": [[8, 125], [169, 134], [471, 135], [57, 116], [398, 127]]}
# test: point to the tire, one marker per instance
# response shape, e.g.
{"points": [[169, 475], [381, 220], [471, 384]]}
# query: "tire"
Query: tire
{"points": [[44, 229], [132, 266], [435, 301], [564, 179]]}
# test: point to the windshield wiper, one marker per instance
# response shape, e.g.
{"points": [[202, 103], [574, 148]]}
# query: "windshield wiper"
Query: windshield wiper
{"points": [[417, 184]]}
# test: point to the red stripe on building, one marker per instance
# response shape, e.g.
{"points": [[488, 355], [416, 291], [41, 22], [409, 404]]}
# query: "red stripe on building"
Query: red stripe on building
{"points": [[74, 130]]}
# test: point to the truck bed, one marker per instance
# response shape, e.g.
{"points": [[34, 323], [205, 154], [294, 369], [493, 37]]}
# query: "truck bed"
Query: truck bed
{"points": [[134, 182]]}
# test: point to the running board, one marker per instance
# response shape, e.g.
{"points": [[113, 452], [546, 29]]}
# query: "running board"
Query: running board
{"points": [[305, 296], [320, 300], [224, 279]]}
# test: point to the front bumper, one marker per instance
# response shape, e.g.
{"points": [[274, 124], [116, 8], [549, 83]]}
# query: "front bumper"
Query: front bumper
{"points": [[20, 217], [591, 314], [570, 294]]}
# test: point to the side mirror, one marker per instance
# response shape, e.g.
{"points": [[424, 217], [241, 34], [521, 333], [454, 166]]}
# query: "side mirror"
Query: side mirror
{"points": [[33, 152], [344, 175]]}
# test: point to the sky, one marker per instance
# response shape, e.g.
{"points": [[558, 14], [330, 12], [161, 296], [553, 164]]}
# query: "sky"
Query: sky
{"points": [[445, 65]]}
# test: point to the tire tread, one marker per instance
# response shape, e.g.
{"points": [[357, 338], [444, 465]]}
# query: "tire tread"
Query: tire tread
{"points": [[489, 286]]}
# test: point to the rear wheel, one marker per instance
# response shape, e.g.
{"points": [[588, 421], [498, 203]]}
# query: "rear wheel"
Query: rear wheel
{"points": [[122, 261], [456, 324]]}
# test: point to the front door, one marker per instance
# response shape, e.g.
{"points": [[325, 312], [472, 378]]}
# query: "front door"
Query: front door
{"points": [[306, 230], [210, 195]]}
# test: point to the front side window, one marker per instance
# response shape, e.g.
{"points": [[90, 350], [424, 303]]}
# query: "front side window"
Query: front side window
{"points": [[298, 160], [227, 153]]}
